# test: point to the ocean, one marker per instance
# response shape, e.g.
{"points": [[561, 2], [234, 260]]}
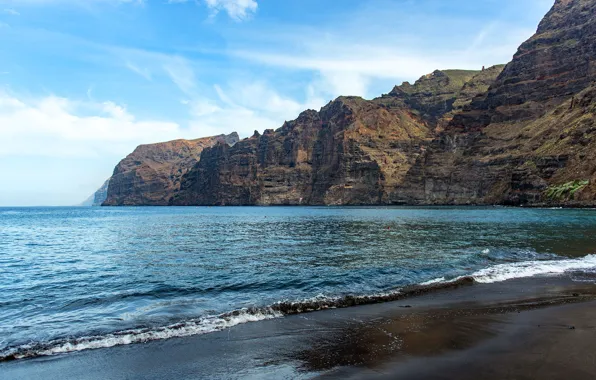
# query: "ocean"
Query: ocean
{"points": [[80, 278]]}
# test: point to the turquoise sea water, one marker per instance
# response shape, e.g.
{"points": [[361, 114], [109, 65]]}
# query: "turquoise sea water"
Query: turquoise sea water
{"points": [[79, 278]]}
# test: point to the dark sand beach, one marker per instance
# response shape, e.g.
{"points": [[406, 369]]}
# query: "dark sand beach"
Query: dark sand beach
{"points": [[519, 329]]}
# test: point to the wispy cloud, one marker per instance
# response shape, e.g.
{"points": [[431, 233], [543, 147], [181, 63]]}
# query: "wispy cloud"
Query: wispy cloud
{"points": [[180, 72], [145, 73], [236, 109], [243, 106], [238, 10], [11, 11], [349, 58]]}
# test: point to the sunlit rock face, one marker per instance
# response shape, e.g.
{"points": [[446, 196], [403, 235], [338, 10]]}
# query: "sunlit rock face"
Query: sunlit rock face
{"points": [[152, 173]]}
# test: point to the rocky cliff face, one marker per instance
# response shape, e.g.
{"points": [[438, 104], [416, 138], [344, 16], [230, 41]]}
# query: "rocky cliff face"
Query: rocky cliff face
{"points": [[344, 154], [353, 151], [151, 174], [513, 143], [554, 64], [521, 134], [436, 94]]}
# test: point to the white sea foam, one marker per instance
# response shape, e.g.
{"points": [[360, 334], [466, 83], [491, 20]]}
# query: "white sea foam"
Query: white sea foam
{"points": [[187, 328], [503, 272], [435, 281], [523, 269]]}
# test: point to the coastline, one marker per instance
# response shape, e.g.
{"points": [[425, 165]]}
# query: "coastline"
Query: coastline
{"points": [[567, 206], [468, 330]]}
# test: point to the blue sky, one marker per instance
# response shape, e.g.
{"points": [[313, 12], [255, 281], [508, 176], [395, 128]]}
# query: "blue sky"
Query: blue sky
{"points": [[83, 82]]}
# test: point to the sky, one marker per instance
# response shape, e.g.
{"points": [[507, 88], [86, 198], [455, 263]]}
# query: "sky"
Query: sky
{"points": [[83, 82]]}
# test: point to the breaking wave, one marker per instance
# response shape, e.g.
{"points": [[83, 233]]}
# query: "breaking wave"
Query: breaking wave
{"points": [[141, 335], [504, 272]]}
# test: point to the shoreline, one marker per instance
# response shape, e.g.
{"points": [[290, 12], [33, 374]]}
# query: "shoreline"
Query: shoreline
{"points": [[385, 339], [396, 206], [423, 205], [282, 309]]}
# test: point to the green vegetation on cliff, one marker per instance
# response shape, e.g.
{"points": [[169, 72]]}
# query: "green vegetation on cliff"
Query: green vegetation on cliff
{"points": [[565, 191]]}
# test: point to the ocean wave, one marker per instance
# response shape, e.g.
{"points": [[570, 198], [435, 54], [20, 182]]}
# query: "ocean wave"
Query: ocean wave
{"points": [[142, 335], [496, 273], [217, 323], [509, 271]]}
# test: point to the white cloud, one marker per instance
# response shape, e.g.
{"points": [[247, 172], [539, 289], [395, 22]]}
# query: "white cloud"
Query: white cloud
{"points": [[57, 127], [244, 107], [11, 11], [54, 126], [209, 118], [57, 151], [238, 10]]}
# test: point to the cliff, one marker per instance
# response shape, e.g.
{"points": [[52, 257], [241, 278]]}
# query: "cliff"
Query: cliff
{"points": [[530, 133], [519, 134], [97, 198], [152, 173], [353, 151]]}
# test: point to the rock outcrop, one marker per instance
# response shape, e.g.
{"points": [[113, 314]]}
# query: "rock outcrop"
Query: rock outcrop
{"points": [[443, 92], [151, 174]]}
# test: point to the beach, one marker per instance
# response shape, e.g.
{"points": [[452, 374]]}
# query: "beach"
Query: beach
{"points": [[539, 327], [198, 200]]}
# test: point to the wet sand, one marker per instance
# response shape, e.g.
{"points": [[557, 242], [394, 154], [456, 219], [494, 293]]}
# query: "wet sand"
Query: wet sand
{"points": [[549, 342], [521, 329]]}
